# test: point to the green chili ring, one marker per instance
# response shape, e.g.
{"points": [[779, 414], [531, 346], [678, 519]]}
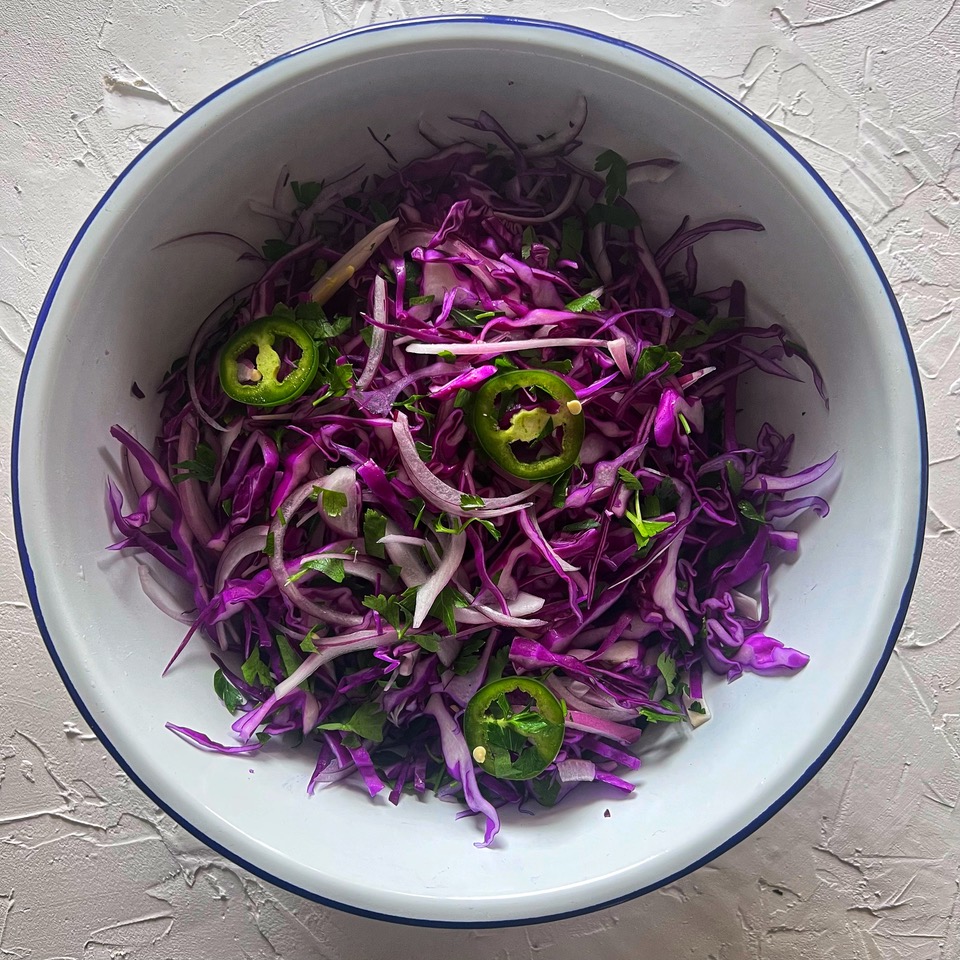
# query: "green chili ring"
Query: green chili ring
{"points": [[494, 731], [528, 425], [264, 388]]}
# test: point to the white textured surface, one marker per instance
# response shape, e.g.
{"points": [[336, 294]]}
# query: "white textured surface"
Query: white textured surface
{"points": [[864, 863]]}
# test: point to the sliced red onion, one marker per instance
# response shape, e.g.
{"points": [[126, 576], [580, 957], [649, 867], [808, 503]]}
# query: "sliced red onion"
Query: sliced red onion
{"points": [[549, 145], [413, 571], [441, 494], [161, 597], [344, 269], [520, 609], [378, 340], [576, 771], [576, 181], [618, 350], [196, 511], [453, 547]]}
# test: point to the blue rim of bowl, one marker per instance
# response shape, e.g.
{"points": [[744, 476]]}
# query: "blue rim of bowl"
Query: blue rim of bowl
{"points": [[758, 821]]}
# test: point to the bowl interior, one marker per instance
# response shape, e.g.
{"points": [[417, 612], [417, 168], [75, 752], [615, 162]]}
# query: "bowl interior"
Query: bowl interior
{"points": [[122, 310]]}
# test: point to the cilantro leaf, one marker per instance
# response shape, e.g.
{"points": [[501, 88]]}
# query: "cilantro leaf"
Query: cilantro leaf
{"points": [[374, 527], [571, 241], [469, 501], [203, 467], [628, 479], [616, 168], [227, 692], [668, 670], [388, 606], [366, 721], [428, 641], [624, 217], [330, 566], [585, 304], [750, 512], [333, 502], [305, 191], [643, 530], [307, 644], [421, 301], [654, 357], [735, 478], [255, 671], [290, 660], [275, 249]]}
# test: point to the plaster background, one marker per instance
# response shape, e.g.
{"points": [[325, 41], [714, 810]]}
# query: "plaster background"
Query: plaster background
{"points": [[865, 863]]}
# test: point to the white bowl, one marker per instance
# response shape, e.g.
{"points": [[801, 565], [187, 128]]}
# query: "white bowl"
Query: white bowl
{"points": [[120, 310]]}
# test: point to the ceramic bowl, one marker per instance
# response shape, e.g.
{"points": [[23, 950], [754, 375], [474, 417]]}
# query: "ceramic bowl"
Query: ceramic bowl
{"points": [[120, 310]]}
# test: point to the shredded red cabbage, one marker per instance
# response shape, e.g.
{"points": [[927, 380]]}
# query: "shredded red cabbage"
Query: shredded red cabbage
{"points": [[363, 568]]}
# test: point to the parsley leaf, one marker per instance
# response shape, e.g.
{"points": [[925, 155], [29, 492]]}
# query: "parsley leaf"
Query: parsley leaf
{"points": [[571, 241], [388, 607], [227, 692], [628, 479], [255, 671], [203, 466], [585, 304], [735, 478], [330, 566], [668, 670], [616, 168], [366, 721], [305, 191], [469, 501], [428, 641], [615, 216], [333, 502], [654, 357], [751, 512], [306, 644], [643, 530], [290, 660], [374, 527], [275, 249]]}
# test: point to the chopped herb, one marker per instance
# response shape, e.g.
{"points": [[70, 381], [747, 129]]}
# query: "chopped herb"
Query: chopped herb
{"points": [[333, 502], [654, 717], [624, 217], [585, 304], [560, 488], [288, 656], [227, 506], [275, 249], [628, 479], [469, 658], [366, 721], [616, 168], [654, 357], [582, 525], [421, 301], [462, 399], [469, 501], [528, 240], [428, 641], [388, 606], [227, 692], [750, 512], [306, 191], [684, 423], [571, 242], [696, 707], [668, 670], [735, 478], [281, 517], [306, 644], [203, 467], [255, 671], [331, 567], [268, 546], [644, 530], [447, 356], [424, 450], [374, 527]]}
